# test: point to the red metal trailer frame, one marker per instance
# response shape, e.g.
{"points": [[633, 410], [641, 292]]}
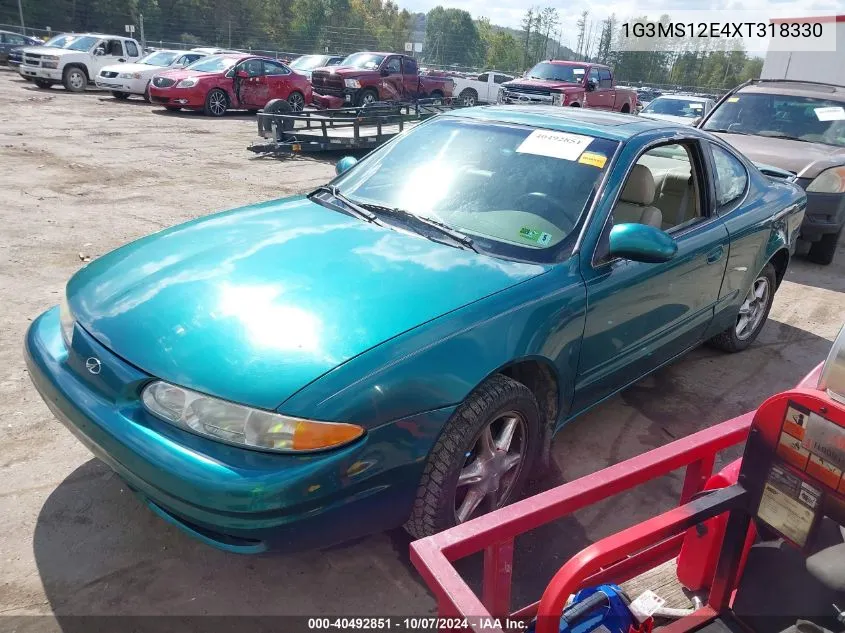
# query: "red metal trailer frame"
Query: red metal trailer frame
{"points": [[616, 558]]}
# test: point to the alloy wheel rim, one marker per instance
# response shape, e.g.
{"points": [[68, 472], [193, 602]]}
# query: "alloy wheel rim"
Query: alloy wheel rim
{"points": [[469, 100], [296, 102], [76, 79], [492, 466], [217, 103], [752, 310], [369, 98]]}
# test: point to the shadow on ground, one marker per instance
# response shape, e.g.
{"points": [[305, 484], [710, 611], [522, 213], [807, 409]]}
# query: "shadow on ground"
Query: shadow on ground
{"points": [[99, 551]]}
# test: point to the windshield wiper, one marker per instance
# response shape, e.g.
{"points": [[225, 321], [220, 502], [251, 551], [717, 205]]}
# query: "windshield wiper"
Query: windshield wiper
{"points": [[786, 137], [355, 209], [713, 129], [461, 238]]}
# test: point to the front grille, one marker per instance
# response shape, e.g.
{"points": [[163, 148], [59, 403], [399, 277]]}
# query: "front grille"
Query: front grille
{"points": [[31, 59], [109, 74], [163, 82], [326, 82], [521, 94]]}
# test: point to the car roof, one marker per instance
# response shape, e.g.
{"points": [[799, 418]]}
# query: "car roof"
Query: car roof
{"points": [[683, 97], [609, 125], [795, 89]]}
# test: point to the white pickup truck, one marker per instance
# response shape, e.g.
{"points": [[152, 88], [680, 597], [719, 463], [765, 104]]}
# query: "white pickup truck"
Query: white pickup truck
{"points": [[481, 89], [75, 59]]}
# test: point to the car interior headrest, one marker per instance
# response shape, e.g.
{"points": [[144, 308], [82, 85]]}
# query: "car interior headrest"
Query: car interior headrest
{"points": [[640, 187]]}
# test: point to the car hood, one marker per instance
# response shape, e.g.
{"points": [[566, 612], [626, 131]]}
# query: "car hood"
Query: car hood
{"points": [[794, 156], [51, 50], [253, 304], [560, 86], [668, 117], [346, 71]]}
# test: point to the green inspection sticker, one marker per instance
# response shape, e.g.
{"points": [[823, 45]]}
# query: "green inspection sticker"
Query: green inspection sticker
{"points": [[533, 235]]}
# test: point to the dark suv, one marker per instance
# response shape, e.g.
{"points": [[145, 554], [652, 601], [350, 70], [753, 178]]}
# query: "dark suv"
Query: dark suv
{"points": [[9, 42], [798, 126]]}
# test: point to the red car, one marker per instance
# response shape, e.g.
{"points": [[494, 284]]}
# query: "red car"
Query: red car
{"points": [[222, 82]]}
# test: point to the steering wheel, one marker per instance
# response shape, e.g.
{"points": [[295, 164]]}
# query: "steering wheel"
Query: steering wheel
{"points": [[542, 204]]}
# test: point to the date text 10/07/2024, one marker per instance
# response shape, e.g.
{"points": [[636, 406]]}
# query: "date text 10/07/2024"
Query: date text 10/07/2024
{"points": [[417, 624]]}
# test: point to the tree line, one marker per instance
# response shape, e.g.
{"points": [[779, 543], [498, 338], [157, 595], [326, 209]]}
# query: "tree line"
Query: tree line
{"points": [[450, 37]]}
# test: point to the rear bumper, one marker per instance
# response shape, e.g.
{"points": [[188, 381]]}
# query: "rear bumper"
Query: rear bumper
{"points": [[235, 499], [825, 214]]}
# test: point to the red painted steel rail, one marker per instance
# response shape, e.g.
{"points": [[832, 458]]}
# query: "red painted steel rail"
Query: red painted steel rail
{"points": [[494, 533]]}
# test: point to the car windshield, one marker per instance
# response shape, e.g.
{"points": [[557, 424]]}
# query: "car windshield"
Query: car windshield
{"points": [[159, 58], [72, 42], [558, 72], [689, 109], [781, 116], [521, 197], [366, 61], [217, 64], [308, 62]]}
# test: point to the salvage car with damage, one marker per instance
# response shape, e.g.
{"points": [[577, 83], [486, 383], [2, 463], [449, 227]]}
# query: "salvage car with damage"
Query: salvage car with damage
{"points": [[383, 351]]}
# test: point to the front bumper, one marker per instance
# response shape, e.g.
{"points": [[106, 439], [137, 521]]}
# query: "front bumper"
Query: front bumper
{"points": [[181, 97], [330, 102], [235, 499], [132, 86], [36, 72], [825, 213]]}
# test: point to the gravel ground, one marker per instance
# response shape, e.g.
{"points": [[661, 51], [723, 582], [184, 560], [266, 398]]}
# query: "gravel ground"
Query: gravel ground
{"points": [[83, 174]]}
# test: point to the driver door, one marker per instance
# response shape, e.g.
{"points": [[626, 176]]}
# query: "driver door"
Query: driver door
{"points": [[113, 53], [642, 315], [392, 88], [253, 91]]}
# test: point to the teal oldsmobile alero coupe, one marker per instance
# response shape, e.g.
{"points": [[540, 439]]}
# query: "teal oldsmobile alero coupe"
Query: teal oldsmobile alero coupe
{"points": [[399, 346]]}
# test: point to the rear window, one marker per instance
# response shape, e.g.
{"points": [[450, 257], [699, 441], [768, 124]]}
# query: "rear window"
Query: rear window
{"points": [[798, 118]]}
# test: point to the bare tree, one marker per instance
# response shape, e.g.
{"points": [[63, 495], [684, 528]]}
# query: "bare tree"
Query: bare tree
{"points": [[582, 28]]}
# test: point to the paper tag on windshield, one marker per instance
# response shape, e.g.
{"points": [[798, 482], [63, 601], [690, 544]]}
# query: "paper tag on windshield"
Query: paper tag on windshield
{"points": [[830, 113], [645, 605], [555, 144]]}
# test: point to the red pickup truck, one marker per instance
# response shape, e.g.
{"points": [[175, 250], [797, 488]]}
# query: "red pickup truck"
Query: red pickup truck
{"points": [[579, 84], [366, 77]]}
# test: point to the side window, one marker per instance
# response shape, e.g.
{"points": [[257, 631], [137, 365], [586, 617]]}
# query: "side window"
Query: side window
{"points": [[731, 176], [663, 190], [594, 77], [500, 79], [14, 40], [272, 68], [393, 66], [131, 49], [253, 67], [606, 79], [114, 48], [484, 77], [409, 66]]}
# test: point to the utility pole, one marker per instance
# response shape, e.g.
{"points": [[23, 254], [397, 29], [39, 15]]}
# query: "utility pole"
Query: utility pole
{"points": [[141, 25], [230, 33], [20, 10]]}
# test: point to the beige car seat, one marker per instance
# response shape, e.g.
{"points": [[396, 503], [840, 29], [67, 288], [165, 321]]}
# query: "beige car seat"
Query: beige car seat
{"points": [[635, 203]]}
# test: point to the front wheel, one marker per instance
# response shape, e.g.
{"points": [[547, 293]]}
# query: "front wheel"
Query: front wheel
{"points": [[119, 95], [74, 79], [822, 252], [216, 103], [42, 83], [367, 97], [481, 460], [296, 101], [752, 314]]}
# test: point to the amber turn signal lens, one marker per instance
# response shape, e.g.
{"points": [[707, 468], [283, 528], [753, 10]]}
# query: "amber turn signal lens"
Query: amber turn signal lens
{"points": [[310, 436]]}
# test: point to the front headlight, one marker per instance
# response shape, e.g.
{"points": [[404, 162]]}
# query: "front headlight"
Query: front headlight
{"points": [[243, 426], [831, 180], [66, 320], [129, 75], [190, 82], [352, 83]]}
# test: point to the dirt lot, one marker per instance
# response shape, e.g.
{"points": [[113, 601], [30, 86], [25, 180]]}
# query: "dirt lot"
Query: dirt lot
{"points": [[83, 174]]}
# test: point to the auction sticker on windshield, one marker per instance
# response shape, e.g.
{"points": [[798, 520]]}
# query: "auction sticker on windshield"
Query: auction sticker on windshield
{"points": [[593, 158], [555, 144], [830, 113]]}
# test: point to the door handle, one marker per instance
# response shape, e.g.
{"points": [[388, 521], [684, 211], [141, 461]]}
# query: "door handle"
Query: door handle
{"points": [[121, 59], [715, 255]]}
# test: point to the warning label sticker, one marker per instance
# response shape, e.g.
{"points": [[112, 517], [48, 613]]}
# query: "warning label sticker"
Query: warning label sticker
{"points": [[795, 421], [791, 451], [789, 505], [826, 439]]}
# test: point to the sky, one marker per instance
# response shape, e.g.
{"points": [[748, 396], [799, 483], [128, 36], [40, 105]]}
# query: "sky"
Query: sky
{"points": [[510, 12]]}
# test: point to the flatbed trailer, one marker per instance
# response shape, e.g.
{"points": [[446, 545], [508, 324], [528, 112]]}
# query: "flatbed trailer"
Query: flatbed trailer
{"points": [[343, 129]]}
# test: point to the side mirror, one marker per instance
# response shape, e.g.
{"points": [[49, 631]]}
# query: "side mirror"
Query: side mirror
{"points": [[242, 74], [99, 51], [641, 243], [591, 86], [384, 72], [696, 121], [345, 164]]}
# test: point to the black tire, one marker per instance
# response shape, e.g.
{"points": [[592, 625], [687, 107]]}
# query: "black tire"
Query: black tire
{"points": [[275, 106], [147, 93], [172, 108], [216, 103], [626, 109], [74, 79], [41, 83], [575, 104], [119, 95], [296, 100], [823, 251], [729, 340], [468, 97], [435, 504], [367, 96]]}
